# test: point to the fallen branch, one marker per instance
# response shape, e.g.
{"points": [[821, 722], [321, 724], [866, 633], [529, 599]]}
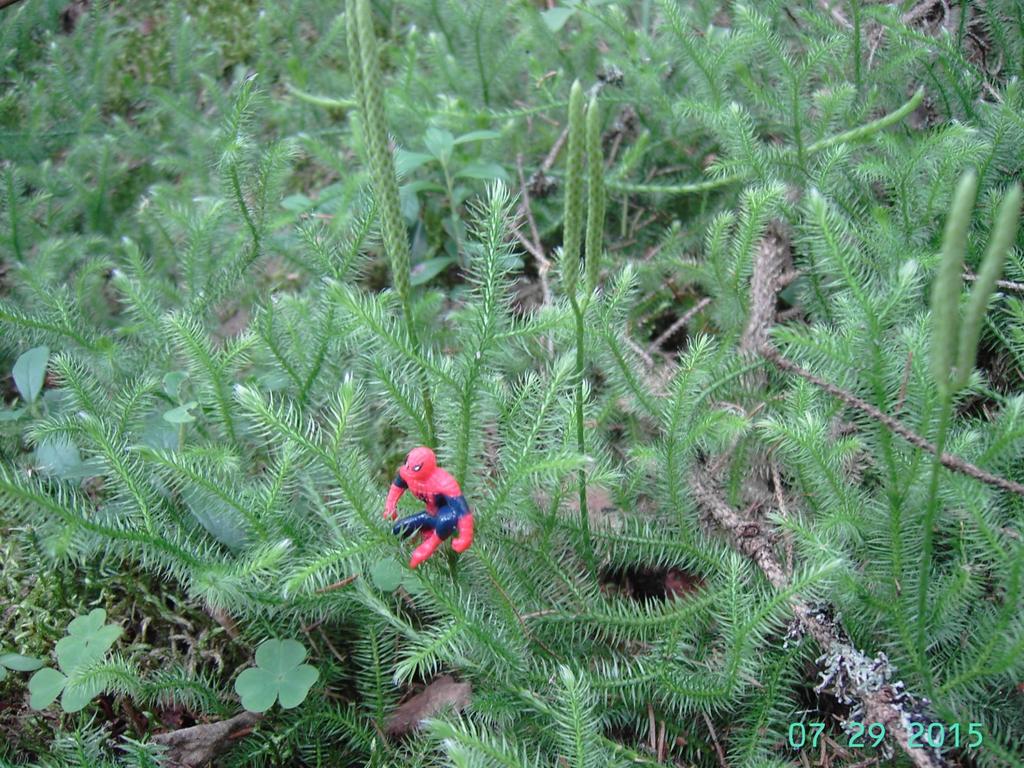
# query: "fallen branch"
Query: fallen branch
{"points": [[764, 284], [1006, 285], [852, 676], [955, 463]]}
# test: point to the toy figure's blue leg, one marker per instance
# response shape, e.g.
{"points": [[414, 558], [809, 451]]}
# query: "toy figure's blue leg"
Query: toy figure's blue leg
{"points": [[447, 519], [407, 526]]}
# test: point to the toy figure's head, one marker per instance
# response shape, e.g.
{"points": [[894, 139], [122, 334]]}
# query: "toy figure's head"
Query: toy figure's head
{"points": [[421, 463]]}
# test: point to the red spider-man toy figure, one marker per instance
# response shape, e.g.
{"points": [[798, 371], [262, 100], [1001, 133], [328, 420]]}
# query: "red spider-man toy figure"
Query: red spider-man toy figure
{"points": [[446, 510]]}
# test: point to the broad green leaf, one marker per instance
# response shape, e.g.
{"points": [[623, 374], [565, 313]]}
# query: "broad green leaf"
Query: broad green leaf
{"points": [[104, 638], [427, 270], [181, 415], [482, 171], [409, 203], [44, 687], [297, 203], [29, 372], [72, 651], [294, 688], [420, 245], [477, 136], [58, 401], [11, 415], [172, 383], [256, 688], [413, 583], [555, 18], [407, 162], [157, 433], [421, 185], [459, 195], [386, 574], [221, 520], [3, 674], [280, 656], [59, 458], [439, 143], [20, 663]]}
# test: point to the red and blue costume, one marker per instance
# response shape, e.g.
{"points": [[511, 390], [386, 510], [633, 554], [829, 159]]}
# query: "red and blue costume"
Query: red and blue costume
{"points": [[446, 512]]}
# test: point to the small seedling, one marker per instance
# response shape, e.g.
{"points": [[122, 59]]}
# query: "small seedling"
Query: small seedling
{"points": [[88, 640], [279, 674], [173, 384]]}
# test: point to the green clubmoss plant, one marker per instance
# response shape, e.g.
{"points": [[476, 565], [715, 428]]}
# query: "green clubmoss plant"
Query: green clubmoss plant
{"points": [[370, 92]]}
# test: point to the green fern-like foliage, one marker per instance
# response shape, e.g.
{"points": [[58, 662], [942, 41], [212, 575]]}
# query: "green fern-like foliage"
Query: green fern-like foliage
{"points": [[252, 317]]}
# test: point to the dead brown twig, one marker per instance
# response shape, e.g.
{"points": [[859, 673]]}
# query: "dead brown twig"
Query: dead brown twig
{"points": [[901, 398], [837, 14], [534, 245], [338, 584], [788, 536], [1006, 285], [714, 740], [764, 284], [669, 332]]}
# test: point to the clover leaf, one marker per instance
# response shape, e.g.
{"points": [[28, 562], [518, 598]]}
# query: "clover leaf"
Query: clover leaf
{"points": [[279, 674], [17, 663], [88, 640]]}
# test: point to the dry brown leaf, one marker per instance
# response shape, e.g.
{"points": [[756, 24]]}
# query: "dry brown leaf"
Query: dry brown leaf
{"points": [[441, 694], [680, 583], [198, 745]]}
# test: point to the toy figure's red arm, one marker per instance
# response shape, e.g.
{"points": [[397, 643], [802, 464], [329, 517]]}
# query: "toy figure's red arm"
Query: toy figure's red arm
{"points": [[394, 494]]}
